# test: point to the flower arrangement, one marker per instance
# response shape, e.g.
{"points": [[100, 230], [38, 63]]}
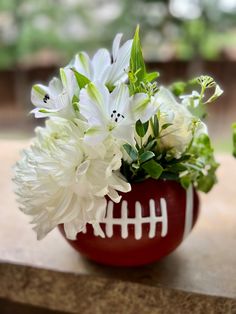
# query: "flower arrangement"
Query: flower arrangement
{"points": [[109, 124]]}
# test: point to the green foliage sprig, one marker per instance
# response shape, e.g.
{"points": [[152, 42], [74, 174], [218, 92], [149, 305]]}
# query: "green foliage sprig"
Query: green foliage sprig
{"points": [[147, 159]]}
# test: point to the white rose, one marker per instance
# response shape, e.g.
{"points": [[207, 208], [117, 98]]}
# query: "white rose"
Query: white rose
{"points": [[176, 137]]}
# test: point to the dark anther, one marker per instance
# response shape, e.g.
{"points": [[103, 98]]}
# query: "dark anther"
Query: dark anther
{"points": [[46, 98], [114, 111], [118, 115], [116, 119], [112, 115], [123, 116]]}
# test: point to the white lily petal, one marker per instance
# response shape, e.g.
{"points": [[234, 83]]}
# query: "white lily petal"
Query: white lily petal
{"points": [[120, 99], [94, 101], [82, 64], [125, 133], [166, 98], [100, 63], [69, 82], [41, 113], [55, 87], [95, 135], [116, 46], [118, 72], [38, 93]]}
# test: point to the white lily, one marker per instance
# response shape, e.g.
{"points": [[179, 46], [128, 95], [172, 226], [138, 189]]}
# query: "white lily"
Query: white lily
{"points": [[55, 99], [102, 67], [113, 113]]}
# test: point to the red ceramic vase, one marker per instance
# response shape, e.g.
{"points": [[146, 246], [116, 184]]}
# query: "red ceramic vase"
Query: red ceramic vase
{"points": [[148, 223]]}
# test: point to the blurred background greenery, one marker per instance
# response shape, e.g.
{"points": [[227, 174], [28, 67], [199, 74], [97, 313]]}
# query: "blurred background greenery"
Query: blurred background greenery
{"points": [[181, 38], [174, 29]]}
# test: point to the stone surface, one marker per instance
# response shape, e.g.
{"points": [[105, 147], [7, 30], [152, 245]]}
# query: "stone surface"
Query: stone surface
{"points": [[203, 264], [74, 293]]}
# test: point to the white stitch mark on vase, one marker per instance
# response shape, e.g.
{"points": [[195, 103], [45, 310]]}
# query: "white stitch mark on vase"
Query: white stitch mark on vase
{"points": [[188, 212], [124, 221]]}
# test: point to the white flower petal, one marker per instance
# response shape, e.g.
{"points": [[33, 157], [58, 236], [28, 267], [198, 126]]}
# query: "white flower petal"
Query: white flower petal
{"points": [[125, 133], [94, 101], [38, 93], [43, 113], [95, 135], [100, 63], [120, 100], [118, 71], [116, 46], [69, 82], [82, 64], [119, 183], [55, 87], [114, 196]]}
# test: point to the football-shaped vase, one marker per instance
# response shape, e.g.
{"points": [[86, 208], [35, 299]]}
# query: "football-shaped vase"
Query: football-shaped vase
{"points": [[149, 222]]}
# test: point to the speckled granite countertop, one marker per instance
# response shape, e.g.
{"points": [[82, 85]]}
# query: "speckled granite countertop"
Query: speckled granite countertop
{"points": [[199, 277]]}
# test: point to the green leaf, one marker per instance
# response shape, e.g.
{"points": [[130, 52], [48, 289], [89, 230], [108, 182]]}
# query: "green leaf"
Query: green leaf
{"points": [[234, 139], [137, 65], [149, 77], [75, 99], [151, 143], [81, 79], [185, 182], [205, 183], [141, 128], [155, 126], [131, 151], [146, 156], [75, 106], [153, 169], [183, 158], [178, 88], [176, 168], [166, 125], [169, 175]]}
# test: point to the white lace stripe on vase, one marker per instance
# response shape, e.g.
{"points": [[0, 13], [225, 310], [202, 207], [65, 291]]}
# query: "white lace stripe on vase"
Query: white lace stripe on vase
{"points": [[153, 219], [109, 219], [188, 212], [164, 218], [137, 221], [124, 215]]}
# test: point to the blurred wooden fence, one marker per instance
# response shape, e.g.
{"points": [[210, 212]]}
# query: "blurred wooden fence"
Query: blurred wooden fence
{"points": [[15, 86]]}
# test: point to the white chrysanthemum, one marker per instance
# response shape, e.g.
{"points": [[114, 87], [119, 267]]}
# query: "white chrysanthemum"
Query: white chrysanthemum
{"points": [[184, 125], [61, 180]]}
